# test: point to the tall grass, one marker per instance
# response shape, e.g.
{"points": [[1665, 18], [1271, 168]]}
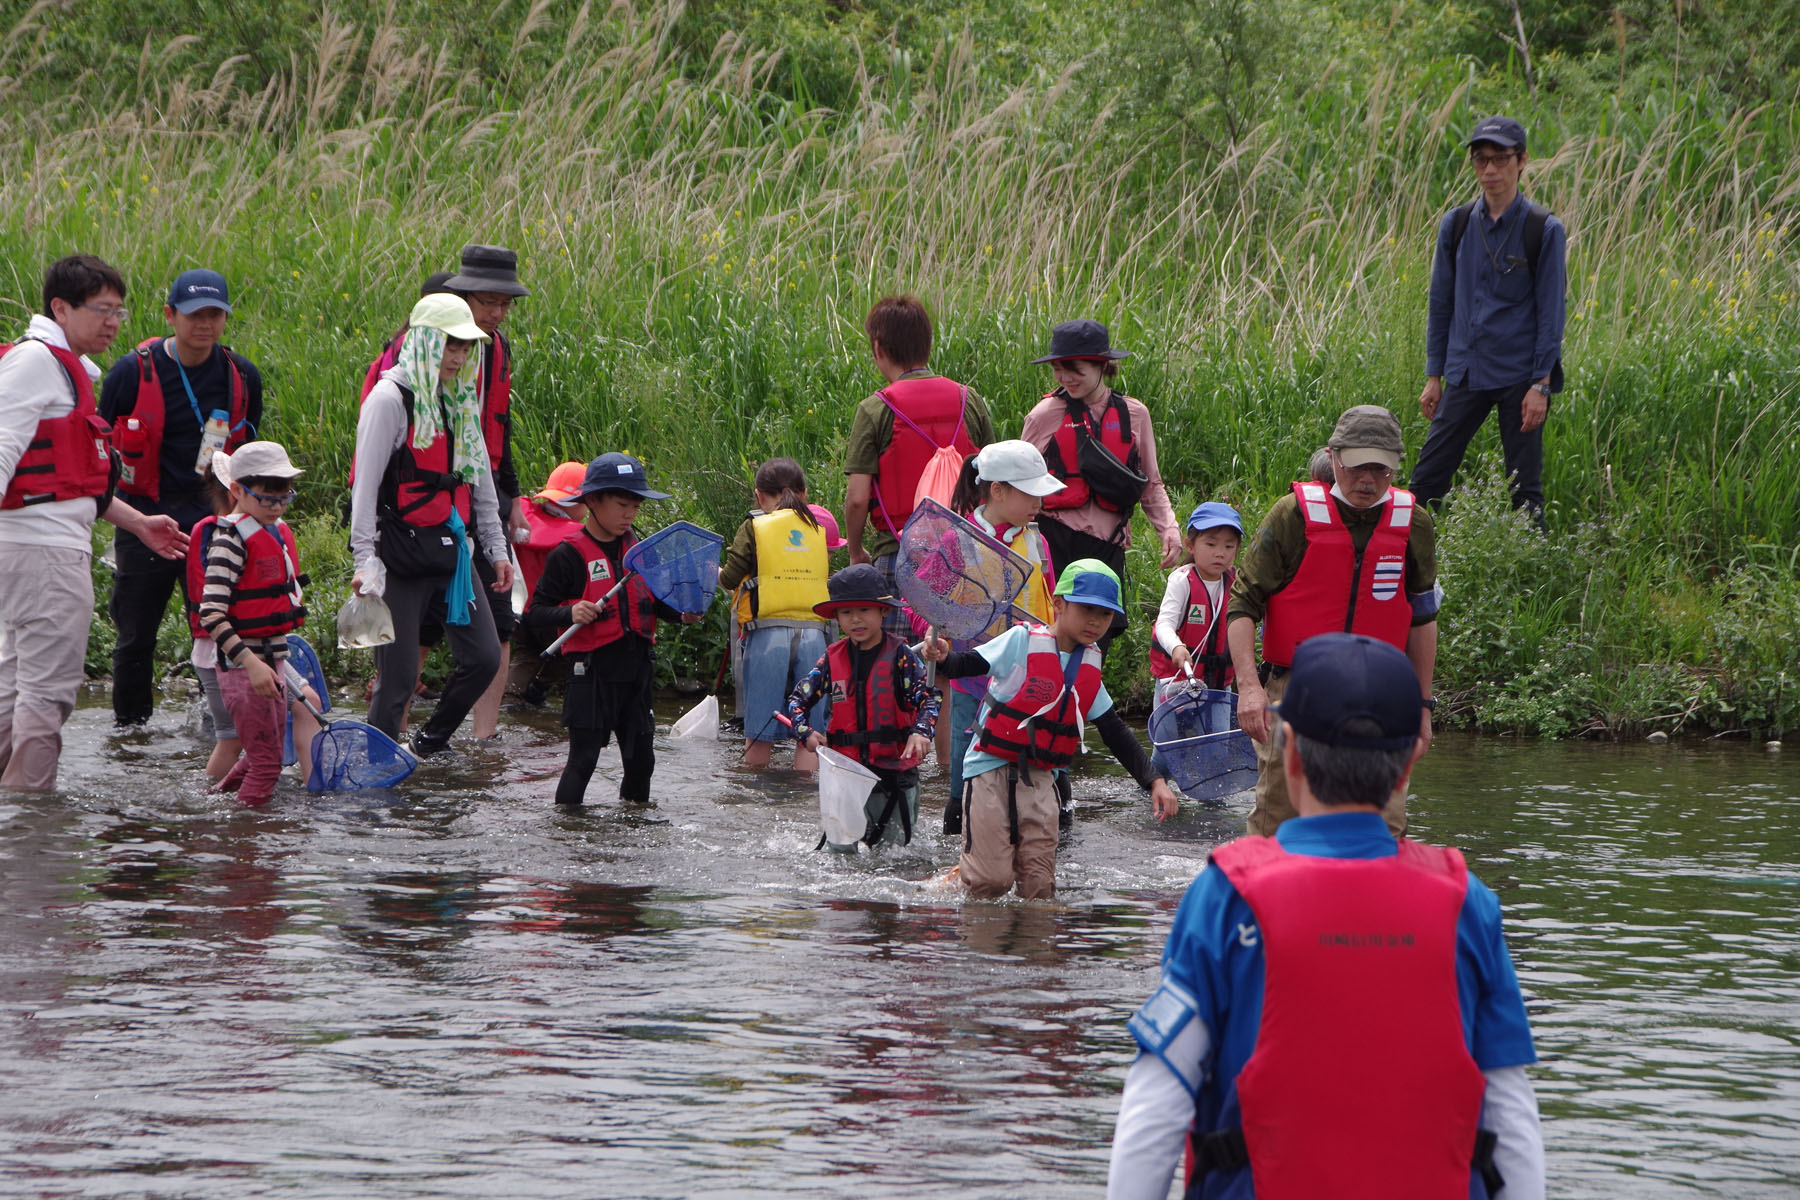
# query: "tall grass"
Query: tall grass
{"points": [[701, 252]]}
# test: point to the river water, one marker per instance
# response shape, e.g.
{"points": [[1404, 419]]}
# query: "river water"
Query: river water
{"points": [[453, 990]]}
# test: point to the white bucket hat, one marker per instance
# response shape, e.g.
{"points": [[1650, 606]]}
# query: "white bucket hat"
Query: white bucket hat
{"points": [[257, 460], [1016, 463]]}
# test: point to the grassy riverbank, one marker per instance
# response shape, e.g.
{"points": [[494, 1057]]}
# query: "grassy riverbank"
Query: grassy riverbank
{"points": [[702, 241]]}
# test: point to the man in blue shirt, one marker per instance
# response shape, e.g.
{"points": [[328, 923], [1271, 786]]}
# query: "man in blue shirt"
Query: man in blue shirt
{"points": [[1493, 337], [1338, 1015]]}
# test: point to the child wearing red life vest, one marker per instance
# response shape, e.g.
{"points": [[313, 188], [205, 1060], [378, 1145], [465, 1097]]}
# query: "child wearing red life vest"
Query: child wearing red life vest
{"points": [[1189, 637], [250, 600], [882, 712], [1043, 686], [778, 564], [204, 657], [608, 690], [550, 522]]}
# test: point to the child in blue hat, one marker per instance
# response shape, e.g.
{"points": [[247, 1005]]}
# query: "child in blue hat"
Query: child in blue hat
{"points": [[1043, 687], [1190, 624]]}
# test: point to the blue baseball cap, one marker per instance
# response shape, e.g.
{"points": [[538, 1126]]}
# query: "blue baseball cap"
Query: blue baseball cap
{"points": [[198, 289], [1213, 515], [616, 472], [1090, 581], [1345, 689]]}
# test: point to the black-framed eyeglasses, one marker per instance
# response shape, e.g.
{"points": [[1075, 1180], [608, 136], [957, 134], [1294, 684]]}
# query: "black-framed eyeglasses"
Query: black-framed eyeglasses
{"points": [[1482, 162], [284, 498]]}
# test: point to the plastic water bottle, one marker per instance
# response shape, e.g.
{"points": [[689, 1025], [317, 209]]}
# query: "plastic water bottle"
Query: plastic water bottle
{"points": [[212, 438]]}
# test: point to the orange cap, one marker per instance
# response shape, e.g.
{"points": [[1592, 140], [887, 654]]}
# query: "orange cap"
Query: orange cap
{"points": [[564, 483]]}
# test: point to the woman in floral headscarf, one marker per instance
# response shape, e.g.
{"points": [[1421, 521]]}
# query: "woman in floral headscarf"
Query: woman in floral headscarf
{"points": [[421, 473]]}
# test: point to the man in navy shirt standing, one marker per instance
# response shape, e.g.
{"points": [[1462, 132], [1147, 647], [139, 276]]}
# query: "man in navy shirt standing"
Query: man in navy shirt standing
{"points": [[171, 402], [1494, 334]]}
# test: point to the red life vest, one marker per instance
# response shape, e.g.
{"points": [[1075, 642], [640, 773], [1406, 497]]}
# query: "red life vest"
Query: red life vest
{"points": [[928, 414], [869, 723], [193, 578], [1063, 458], [1038, 722], [633, 610], [69, 457], [390, 354], [1339, 588], [494, 384], [1202, 631], [138, 434], [266, 600], [547, 533], [1361, 1039], [422, 486]]}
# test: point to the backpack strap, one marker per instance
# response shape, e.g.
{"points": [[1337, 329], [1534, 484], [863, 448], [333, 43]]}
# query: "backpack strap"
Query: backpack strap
{"points": [[1536, 215]]}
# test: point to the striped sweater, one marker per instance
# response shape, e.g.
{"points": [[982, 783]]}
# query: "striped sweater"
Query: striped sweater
{"points": [[224, 567]]}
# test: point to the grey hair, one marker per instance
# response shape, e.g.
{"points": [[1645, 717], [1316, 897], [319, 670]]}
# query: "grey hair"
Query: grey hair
{"points": [[1347, 774], [1320, 467]]}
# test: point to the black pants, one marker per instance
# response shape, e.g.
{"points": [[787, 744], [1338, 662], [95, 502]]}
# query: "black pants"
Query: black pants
{"points": [[1460, 415], [473, 646], [1067, 545], [142, 586], [595, 710]]}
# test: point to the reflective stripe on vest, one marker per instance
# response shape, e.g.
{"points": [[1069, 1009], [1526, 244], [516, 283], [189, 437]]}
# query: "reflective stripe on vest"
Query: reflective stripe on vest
{"points": [[1339, 588], [936, 405], [633, 610], [869, 722], [422, 485], [1063, 457], [1378, 937], [267, 597], [1037, 719], [69, 457], [138, 434], [1202, 631], [792, 565]]}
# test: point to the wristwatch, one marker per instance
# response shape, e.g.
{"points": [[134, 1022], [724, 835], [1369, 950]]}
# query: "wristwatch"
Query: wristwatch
{"points": [[1430, 702], [1541, 387]]}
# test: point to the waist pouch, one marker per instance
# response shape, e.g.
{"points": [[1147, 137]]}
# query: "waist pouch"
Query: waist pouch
{"points": [[1108, 478], [415, 551]]}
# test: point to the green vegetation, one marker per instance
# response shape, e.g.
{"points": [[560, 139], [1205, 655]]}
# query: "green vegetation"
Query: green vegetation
{"points": [[707, 198]]}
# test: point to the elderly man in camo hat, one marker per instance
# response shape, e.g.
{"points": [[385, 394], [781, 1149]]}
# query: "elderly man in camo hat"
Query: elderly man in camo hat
{"points": [[1356, 556]]}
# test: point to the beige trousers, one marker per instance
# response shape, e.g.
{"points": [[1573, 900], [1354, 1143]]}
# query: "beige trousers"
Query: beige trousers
{"points": [[991, 864], [46, 607]]}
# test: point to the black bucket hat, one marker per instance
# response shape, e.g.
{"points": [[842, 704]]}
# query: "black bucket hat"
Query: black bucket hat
{"points": [[488, 269], [860, 586], [1081, 339]]}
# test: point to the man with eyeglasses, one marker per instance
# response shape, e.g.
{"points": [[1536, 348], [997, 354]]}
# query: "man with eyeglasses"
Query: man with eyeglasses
{"points": [[171, 402], [488, 279], [1354, 556], [57, 473], [1493, 337]]}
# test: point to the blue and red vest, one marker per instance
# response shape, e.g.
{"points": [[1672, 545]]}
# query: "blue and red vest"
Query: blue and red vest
{"points": [[928, 415], [1038, 722], [633, 610], [422, 486], [1202, 631], [1361, 1086], [1064, 454], [69, 457], [870, 721], [138, 434], [1338, 588]]}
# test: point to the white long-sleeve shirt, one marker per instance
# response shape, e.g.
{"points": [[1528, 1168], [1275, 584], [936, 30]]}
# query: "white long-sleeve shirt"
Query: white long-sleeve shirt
{"points": [[1171, 614], [34, 387]]}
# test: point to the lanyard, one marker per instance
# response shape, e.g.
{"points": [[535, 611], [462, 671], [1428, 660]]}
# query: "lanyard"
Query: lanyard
{"points": [[193, 401]]}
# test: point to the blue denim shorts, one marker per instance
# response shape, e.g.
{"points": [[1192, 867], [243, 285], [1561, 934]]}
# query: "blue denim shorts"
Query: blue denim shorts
{"points": [[775, 659]]}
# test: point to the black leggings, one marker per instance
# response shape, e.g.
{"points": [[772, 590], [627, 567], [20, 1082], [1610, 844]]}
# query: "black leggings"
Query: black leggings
{"points": [[595, 710]]}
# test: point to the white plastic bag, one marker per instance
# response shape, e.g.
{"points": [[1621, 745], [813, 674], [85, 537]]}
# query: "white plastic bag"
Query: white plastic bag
{"points": [[700, 721], [364, 623]]}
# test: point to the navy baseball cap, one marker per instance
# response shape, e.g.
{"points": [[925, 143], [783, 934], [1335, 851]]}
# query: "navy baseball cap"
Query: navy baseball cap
{"points": [[1502, 131], [1345, 689], [1213, 515], [198, 289], [618, 473]]}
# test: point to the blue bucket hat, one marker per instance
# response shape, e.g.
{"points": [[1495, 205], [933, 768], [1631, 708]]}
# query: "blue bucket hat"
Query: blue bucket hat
{"points": [[1213, 515], [1345, 689], [615, 472]]}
